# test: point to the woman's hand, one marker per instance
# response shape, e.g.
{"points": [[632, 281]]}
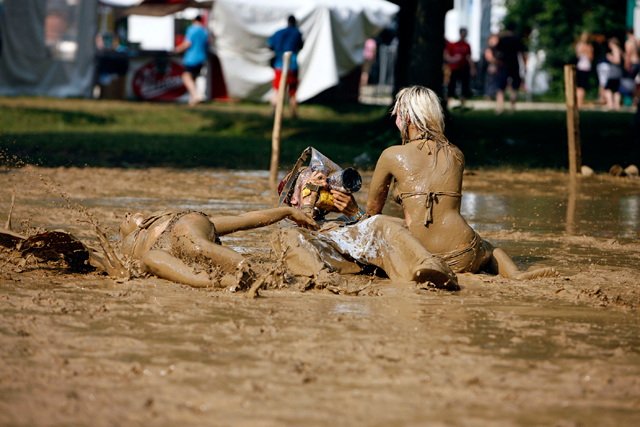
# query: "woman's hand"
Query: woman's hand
{"points": [[302, 220], [345, 203]]}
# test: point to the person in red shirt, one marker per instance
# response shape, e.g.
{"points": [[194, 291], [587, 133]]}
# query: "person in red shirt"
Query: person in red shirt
{"points": [[461, 66]]}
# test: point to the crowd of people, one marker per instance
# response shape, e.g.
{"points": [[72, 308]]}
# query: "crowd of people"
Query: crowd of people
{"points": [[617, 69], [502, 65]]}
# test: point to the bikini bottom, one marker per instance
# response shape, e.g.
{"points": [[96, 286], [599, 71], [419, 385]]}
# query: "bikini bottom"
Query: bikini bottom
{"points": [[471, 258]]}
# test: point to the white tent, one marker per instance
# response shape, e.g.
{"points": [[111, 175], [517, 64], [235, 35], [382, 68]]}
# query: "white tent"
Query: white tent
{"points": [[49, 45], [334, 32]]}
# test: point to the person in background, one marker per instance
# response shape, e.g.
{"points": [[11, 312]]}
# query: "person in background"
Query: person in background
{"points": [[195, 47], [461, 66], [584, 53], [612, 89], [509, 51], [369, 57], [491, 73], [631, 62], [631, 58], [286, 40]]}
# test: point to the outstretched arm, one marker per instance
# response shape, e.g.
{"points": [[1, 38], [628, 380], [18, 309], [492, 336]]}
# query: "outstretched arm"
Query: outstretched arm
{"points": [[256, 219], [182, 47]]}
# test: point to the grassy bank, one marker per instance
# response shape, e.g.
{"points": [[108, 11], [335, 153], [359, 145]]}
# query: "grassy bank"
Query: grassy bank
{"points": [[53, 132]]}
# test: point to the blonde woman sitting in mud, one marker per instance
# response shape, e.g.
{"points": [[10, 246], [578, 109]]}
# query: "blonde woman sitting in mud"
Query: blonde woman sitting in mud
{"points": [[184, 247], [428, 170]]}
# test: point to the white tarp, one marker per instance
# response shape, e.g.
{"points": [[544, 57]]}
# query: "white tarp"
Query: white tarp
{"points": [[48, 47], [155, 8], [334, 32], [121, 3]]}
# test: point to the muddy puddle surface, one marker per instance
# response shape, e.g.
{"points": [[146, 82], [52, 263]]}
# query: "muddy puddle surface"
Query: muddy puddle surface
{"points": [[83, 349]]}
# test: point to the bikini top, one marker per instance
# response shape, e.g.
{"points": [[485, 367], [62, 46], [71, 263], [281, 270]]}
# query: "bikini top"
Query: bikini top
{"points": [[431, 197], [163, 240]]}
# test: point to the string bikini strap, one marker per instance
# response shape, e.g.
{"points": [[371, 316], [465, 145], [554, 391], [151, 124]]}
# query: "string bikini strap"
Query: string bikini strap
{"points": [[432, 197]]}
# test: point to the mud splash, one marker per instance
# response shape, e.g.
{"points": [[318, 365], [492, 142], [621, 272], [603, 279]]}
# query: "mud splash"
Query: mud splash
{"points": [[84, 349]]}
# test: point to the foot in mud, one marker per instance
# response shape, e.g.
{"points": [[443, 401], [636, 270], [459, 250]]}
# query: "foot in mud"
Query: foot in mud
{"points": [[538, 273], [438, 278]]}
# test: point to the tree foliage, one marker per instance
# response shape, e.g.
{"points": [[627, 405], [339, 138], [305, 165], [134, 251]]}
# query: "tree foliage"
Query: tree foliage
{"points": [[555, 25]]}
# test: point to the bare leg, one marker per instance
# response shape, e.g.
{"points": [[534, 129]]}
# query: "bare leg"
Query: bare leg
{"points": [[307, 253], [500, 101], [294, 106], [193, 236], [616, 101], [163, 264], [190, 84], [580, 97], [608, 97], [514, 98], [385, 242], [274, 98], [507, 268]]}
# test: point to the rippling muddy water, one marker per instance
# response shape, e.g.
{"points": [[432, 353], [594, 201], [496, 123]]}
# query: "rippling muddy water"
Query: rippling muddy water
{"points": [[83, 349]]}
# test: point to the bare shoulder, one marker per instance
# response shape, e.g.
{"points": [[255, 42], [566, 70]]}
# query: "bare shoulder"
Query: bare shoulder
{"points": [[394, 149], [457, 153], [392, 154]]}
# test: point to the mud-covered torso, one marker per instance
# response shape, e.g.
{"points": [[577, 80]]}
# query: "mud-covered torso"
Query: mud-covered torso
{"points": [[155, 234], [428, 183]]}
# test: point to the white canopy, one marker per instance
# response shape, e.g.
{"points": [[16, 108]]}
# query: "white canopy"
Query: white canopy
{"points": [[334, 32], [155, 7]]}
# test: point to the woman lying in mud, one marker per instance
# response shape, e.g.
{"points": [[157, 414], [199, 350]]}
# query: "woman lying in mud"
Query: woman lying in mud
{"points": [[427, 170], [185, 247]]}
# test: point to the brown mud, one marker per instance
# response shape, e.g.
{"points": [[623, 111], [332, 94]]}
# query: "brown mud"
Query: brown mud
{"points": [[84, 349]]}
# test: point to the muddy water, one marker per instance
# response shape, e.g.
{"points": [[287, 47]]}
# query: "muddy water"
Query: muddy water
{"points": [[86, 350]]}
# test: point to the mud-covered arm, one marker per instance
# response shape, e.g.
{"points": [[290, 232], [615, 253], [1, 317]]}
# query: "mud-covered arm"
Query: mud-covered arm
{"points": [[310, 193], [379, 187], [256, 219]]}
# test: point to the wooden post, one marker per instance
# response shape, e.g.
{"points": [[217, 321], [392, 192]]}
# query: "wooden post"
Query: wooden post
{"points": [[573, 120], [277, 124]]}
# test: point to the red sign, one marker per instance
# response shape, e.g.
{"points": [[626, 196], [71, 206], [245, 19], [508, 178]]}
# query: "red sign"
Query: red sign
{"points": [[159, 80]]}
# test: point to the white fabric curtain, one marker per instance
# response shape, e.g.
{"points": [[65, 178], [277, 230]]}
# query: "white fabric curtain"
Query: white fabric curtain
{"points": [[334, 32]]}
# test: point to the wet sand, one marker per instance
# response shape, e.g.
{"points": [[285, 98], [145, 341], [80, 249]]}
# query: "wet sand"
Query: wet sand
{"points": [[83, 349]]}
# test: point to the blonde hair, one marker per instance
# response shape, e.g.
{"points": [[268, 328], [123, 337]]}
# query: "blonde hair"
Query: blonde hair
{"points": [[420, 106]]}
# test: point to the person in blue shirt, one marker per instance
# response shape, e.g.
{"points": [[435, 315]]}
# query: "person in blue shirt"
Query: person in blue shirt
{"points": [[195, 47], [286, 40]]}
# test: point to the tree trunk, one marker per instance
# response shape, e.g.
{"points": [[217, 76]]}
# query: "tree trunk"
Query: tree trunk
{"points": [[421, 43]]}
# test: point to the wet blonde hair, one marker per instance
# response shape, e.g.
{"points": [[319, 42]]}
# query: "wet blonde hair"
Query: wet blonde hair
{"points": [[420, 106]]}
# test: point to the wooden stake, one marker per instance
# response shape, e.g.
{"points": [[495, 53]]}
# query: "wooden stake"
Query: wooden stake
{"points": [[573, 120], [7, 226], [277, 124]]}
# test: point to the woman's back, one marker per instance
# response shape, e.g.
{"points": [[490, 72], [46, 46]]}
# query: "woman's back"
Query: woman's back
{"points": [[429, 183]]}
